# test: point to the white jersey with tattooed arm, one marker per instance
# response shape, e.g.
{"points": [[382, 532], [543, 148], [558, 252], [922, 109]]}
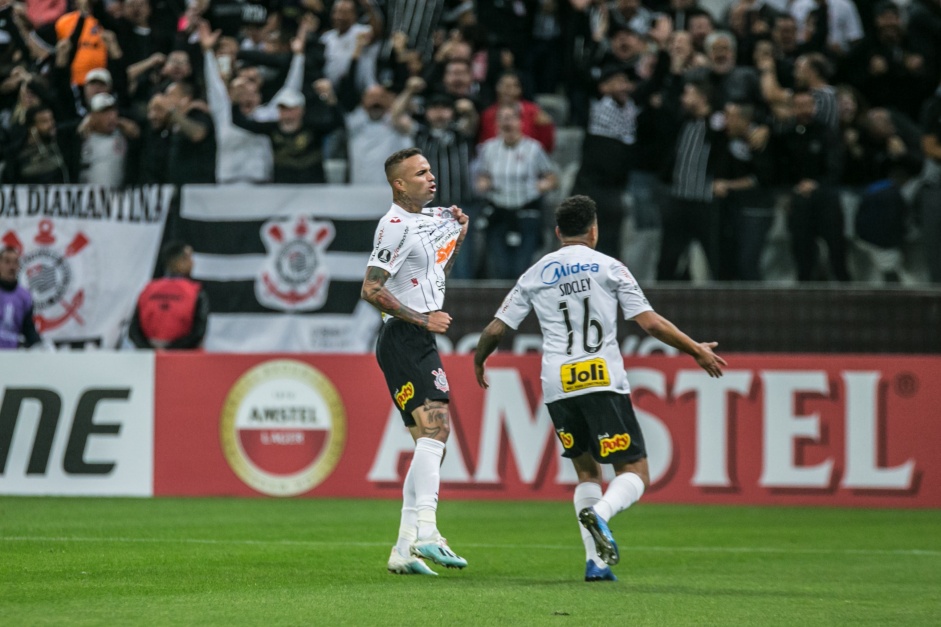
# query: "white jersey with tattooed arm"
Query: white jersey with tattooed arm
{"points": [[576, 292], [414, 249]]}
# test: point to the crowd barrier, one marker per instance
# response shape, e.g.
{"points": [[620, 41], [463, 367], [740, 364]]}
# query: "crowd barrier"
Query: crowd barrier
{"points": [[835, 430]]}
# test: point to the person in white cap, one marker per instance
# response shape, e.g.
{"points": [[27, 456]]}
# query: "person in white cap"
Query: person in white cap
{"points": [[105, 144], [297, 137]]}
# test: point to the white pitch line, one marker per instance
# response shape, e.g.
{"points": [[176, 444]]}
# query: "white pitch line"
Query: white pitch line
{"points": [[549, 547]]}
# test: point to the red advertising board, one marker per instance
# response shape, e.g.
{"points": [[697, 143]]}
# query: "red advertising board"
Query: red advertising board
{"points": [[787, 430]]}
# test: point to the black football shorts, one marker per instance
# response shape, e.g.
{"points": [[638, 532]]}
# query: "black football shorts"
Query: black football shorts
{"points": [[408, 357], [602, 423]]}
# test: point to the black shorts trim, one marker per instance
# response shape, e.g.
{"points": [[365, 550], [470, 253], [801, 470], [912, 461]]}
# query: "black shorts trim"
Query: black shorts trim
{"points": [[601, 423], [409, 359]]}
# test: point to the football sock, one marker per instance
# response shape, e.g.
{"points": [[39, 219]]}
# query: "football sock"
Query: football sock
{"points": [[587, 494], [408, 526], [426, 466], [622, 492]]}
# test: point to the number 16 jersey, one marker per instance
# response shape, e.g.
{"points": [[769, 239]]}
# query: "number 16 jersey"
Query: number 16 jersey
{"points": [[576, 292]]}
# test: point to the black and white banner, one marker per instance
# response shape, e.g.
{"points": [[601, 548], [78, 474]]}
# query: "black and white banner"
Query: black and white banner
{"points": [[87, 252], [283, 265]]}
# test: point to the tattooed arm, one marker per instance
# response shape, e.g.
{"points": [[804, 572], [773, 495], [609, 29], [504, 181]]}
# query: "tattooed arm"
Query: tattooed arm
{"points": [[378, 295], [488, 342]]}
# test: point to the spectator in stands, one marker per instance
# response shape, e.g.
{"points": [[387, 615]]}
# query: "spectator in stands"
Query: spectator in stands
{"points": [[458, 82], [727, 82], [810, 161], [689, 213], [631, 14], [608, 154], [241, 156], [742, 189], [106, 143], [16, 304], [193, 141], [699, 28], [87, 46], [514, 174], [373, 133], [298, 135], [924, 31], [155, 142], [681, 12], [536, 123], [893, 155], [544, 62], [747, 19], [886, 69], [838, 18], [812, 73], [172, 311], [144, 48], [341, 41], [37, 158]]}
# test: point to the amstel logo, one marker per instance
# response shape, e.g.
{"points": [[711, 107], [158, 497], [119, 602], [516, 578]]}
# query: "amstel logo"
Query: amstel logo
{"points": [[283, 428], [584, 374]]}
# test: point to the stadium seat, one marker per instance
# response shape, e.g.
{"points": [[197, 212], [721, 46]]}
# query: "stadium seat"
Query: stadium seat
{"points": [[568, 145], [556, 106]]}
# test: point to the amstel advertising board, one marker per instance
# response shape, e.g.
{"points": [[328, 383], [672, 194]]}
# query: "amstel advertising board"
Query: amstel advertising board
{"points": [[858, 431]]}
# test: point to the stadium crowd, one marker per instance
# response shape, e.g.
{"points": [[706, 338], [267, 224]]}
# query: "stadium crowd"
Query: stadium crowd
{"points": [[804, 121]]}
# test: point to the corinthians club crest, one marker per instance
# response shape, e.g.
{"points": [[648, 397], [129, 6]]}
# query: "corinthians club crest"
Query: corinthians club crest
{"points": [[52, 271], [294, 276]]}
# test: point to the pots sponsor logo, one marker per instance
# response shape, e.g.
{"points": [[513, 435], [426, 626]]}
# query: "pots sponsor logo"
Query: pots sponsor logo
{"points": [[617, 442], [441, 379], [404, 394], [283, 428], [584, 374], [294, 276], [567, 439]]}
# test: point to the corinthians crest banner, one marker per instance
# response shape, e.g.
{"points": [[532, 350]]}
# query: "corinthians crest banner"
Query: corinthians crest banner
{"points": [[86, 254], [283, 265]]}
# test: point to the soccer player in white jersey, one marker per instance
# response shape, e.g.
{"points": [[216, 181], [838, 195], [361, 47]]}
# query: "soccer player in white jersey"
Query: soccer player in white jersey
{"points": [[576, 292], [414, 250]]}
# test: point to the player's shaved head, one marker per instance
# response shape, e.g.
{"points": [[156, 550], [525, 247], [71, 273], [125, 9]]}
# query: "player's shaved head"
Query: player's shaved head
{"points": [[396, 159], [576, 215]]}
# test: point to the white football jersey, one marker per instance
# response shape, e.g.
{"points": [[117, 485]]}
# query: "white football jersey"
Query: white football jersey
{"points": [[414, 248], [576, 292]]}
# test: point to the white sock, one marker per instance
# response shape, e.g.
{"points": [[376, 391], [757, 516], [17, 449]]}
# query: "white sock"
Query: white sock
{"points": [[587, 494], [426, 466], [622, 492], [408, 525]]}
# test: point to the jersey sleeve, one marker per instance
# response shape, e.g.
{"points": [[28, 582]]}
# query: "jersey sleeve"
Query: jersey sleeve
{"points": [[630, 297], [391, 245], [516, 305]]}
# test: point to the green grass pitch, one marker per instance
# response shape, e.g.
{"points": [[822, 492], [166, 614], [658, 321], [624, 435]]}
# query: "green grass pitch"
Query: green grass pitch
{"points": [[90, 561]]}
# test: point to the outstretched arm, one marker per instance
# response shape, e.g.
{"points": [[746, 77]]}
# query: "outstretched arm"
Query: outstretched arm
{"points": [[667, 332], [378, 295], [488, 342]]}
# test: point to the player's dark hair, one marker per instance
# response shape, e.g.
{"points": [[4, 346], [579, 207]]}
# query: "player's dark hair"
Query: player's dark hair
{"points": [[398, 157], [575, 215], [171, 252]]}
